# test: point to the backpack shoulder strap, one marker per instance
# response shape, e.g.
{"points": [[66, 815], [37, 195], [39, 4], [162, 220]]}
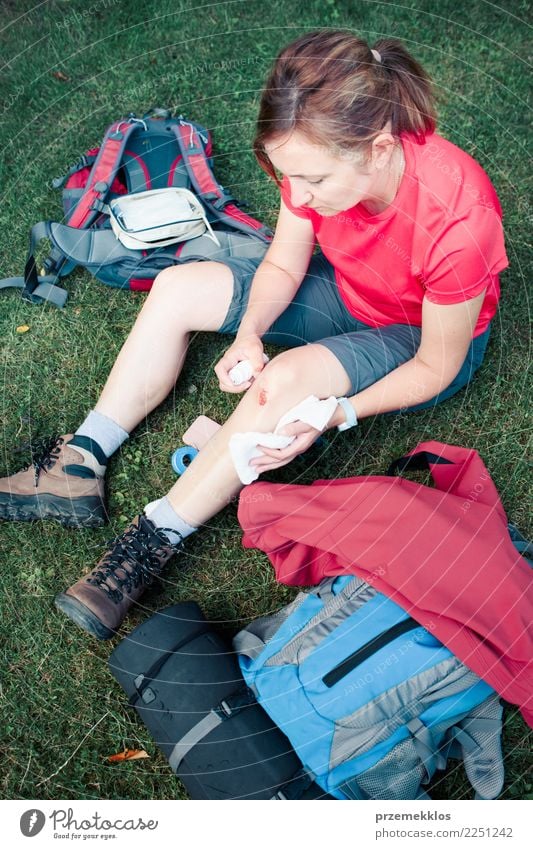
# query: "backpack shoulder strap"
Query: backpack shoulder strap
{"points": [[102, 173], [206, 186], [420, 461]]}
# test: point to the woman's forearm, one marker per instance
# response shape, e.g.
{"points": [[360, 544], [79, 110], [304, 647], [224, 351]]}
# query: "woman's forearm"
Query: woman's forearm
{"points": [[272, 291], [411, 383]]}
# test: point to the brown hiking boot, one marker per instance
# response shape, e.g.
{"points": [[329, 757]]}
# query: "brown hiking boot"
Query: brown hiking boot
{"points": [[63, 482], [99, 601]]}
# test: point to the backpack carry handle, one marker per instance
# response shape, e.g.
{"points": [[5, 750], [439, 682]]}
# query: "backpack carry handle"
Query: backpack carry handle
{"points": [[455, 470], [422, 461], [418, 462], [157, 112]]}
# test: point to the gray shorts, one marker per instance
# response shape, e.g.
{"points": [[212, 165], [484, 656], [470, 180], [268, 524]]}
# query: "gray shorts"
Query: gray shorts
{"points": [[317, 314]]}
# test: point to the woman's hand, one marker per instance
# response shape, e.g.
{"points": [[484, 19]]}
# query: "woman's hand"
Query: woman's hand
{"points": [[245, 348], [275, 458]]}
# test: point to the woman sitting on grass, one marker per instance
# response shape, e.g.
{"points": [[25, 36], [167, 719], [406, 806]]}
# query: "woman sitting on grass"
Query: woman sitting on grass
{"points": [[393, 313]]}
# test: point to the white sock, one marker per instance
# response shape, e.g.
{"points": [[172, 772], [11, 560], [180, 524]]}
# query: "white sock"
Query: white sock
{"points": [[165, 518], [107, 433]]}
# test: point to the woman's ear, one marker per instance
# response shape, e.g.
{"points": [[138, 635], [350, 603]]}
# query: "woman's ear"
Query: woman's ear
{"points": [[382, 150]]}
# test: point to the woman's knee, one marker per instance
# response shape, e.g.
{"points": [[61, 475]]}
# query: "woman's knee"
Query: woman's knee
{"points": [[197, 294], [300, 371], [279, 376], [174, 276]]}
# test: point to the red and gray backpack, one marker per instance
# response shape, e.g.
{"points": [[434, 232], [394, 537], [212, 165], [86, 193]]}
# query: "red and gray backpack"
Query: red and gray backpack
{"points": [[137, 154]]}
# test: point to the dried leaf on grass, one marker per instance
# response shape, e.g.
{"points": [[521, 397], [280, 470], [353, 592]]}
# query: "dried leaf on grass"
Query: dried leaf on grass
{"points": [[23, 328], [59, 75], [128, 755]]}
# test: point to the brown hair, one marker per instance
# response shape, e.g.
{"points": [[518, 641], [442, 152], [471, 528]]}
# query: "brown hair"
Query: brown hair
{"points": [[329, 86]]}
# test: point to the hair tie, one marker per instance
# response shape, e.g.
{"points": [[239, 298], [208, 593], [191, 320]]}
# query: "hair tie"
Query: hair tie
{"points": [[377, 55]]}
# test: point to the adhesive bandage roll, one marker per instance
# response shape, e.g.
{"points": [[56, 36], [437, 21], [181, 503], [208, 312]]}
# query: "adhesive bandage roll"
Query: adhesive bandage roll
{"points": [[182, 458], [243, 371]]}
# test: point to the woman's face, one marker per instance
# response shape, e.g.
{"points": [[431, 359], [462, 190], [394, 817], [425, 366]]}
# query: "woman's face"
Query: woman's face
{"points": [[326, 182]]}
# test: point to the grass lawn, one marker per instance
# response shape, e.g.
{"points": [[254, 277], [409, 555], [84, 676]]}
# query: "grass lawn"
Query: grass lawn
{"points": [[70, 69]]}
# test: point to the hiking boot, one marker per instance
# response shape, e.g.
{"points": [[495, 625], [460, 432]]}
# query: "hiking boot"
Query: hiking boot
{"points": [[99, 601], [63, 482]]}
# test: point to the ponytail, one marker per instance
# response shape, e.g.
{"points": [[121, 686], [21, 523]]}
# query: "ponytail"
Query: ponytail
{"points": [[412, 103]]}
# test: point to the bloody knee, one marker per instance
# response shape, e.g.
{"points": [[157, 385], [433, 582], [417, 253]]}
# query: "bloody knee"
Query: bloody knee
{"points": [[278, 379]]}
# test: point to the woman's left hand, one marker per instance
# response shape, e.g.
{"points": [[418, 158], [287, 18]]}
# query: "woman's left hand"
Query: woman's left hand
{"points": [[275, 458]]}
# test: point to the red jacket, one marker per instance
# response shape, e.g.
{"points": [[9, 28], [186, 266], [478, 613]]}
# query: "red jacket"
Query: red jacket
{"points": [[443, 554]]}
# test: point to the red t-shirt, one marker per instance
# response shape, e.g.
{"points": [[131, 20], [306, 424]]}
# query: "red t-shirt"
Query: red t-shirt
{"points": [[441, 238]]}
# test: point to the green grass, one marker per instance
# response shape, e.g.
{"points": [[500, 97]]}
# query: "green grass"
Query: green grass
{"points": [[62, 711]]}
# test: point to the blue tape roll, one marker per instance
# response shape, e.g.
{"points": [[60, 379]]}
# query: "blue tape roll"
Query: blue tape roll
{"points": [[182, 458]]}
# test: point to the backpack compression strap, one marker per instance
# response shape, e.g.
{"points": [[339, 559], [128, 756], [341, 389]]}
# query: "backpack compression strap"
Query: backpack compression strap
{"points": [[228, 707], [210, 192], [86, 160]]}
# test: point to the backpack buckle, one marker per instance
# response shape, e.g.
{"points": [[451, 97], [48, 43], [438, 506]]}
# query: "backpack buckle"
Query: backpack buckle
{"points": [[218, 202], [145, 693], [279, 796], [233, 704], [225, 708], [148, 696], [98, 205]]}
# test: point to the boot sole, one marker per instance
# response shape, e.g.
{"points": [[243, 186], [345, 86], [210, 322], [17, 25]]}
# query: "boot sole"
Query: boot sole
{"points": [[82, 616], [71, 513]]}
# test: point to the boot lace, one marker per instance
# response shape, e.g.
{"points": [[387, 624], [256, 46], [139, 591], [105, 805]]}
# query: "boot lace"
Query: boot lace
{"points": [[135, 559], [44, 453]]}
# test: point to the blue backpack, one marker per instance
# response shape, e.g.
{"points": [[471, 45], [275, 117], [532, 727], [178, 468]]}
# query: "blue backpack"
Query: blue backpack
{"points": [[156, 151], [371, 701]]}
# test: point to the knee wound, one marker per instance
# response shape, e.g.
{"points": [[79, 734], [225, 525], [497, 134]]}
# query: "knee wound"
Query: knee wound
{"points": [[262, 391]]}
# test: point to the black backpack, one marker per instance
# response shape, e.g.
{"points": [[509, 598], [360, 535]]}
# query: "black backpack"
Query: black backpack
{"points": [[184, 681]]}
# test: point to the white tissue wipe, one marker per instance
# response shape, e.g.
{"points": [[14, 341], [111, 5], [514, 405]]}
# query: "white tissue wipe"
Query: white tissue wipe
{"points": [[244, 447]]}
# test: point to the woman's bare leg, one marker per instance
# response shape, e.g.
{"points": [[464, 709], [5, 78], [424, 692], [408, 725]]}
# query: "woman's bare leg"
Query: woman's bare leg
{"points": [[193, 296], [99, 601]]}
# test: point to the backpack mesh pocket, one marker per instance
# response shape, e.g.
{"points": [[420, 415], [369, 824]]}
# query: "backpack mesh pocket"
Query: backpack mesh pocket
{"points": [[398, 775]]}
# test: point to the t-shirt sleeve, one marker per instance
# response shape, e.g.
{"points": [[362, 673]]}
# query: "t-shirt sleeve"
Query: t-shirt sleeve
{"points": [[465, 255], [285, 192]]}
